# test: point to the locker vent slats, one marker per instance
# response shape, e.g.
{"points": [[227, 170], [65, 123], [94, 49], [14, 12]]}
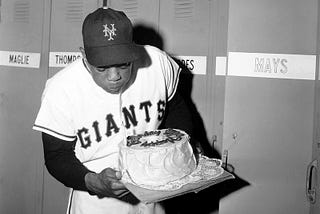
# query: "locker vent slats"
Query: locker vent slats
{"points": [[22, 11], [131, 8], [183, 9], [74, 11]]}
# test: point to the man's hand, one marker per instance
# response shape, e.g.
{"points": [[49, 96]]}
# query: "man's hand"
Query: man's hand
{"points": [[106, 183]]}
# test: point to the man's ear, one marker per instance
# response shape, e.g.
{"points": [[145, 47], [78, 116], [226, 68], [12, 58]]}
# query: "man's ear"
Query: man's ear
{"points": [[85, 61], [83, 53]]}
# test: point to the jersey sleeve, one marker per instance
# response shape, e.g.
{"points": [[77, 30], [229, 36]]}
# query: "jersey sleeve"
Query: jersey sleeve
{"points": [[171, 72], [55, 114]]}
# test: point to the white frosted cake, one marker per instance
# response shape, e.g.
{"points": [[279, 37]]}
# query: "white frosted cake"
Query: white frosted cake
{"points": [[158, 157]]}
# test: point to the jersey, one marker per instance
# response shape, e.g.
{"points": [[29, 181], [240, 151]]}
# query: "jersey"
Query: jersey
{"points": [[74, 107]]}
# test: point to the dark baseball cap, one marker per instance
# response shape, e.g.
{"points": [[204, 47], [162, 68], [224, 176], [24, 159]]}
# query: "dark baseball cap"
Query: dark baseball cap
{"points": [[107, 38]]}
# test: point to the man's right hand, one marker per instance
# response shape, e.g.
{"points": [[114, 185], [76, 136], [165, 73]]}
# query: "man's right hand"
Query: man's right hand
{"points": [[106, 183]]}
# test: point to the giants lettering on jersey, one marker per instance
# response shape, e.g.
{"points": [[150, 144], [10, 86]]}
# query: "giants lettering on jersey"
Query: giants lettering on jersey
{"points": [[129, 115]]}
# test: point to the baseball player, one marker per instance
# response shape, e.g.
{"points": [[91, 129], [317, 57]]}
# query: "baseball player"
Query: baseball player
{"points": [[87, 109]]}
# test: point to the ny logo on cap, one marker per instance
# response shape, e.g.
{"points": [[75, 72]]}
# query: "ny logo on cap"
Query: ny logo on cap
{"points": [[109, 32]]}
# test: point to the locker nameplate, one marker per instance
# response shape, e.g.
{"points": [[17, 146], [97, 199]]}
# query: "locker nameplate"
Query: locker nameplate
{"points": [[62, 59], [282, 66], [195, 64], [20, 59]]}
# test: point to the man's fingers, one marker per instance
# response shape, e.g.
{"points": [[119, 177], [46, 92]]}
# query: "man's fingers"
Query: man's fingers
{"points": [[118, 175], [111, 173], [117, 185]]}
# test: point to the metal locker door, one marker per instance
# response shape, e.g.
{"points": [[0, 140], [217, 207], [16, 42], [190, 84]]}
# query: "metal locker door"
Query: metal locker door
{"points": [[194, 32], [22, 78], [65, 38], [269, 104]]}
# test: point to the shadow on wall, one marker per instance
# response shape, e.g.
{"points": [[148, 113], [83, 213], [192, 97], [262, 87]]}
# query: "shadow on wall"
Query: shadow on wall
{"points": [[144, 35], [205, 201]]}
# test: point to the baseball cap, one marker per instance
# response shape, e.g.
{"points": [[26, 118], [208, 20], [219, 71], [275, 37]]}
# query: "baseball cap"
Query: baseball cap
{"points": [[107, 38]]}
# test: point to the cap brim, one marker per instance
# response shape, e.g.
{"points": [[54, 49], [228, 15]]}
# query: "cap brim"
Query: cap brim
{"points": [[112, 55]]}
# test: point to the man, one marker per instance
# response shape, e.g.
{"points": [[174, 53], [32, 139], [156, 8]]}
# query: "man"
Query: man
{"points": [[117, 89]]}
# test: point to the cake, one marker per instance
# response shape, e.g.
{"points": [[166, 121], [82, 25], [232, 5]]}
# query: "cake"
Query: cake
{"points": [[158, 157]]}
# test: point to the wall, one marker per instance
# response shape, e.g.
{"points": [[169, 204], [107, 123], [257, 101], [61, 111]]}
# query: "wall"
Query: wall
{"points": [[224, 105]]}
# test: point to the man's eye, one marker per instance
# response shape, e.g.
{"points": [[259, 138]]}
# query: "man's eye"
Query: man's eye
{"points": [[100, 69], [120, 66], [124, 65]]}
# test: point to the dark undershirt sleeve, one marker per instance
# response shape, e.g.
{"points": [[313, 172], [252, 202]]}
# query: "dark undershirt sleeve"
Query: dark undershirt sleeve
{"points": [[178, 115], [62, 163]]}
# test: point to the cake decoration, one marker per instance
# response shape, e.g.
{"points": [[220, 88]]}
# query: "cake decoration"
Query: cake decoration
{"points": [[171, 136]]}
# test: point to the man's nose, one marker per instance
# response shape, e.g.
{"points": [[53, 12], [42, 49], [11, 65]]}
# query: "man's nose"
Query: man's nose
{"points": [[113, 74]]}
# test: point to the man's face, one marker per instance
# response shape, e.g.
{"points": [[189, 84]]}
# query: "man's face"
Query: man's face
{"points": [[112, 78]]}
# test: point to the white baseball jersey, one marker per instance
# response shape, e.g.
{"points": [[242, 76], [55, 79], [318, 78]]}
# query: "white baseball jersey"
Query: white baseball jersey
{"points": [[74, 107]]}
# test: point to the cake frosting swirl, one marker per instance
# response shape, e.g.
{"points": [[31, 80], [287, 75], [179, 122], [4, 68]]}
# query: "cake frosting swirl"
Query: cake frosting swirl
{"points": [[157, 157]]}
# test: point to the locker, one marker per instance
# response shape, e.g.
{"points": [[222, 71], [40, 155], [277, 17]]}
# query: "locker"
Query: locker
{"points": [[268, 122], [64, 39], [21, 168], [198, 28]]}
